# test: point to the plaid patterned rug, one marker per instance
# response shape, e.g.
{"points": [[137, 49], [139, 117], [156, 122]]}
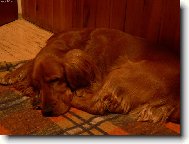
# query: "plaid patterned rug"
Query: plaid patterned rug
{"points": [[17, 117]]}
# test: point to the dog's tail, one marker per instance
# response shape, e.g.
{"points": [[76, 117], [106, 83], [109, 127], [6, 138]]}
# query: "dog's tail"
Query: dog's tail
{"points": [[9, 67]]}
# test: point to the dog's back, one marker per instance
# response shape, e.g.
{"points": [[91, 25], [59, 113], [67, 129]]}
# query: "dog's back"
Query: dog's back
{"points": [[103, 45]]}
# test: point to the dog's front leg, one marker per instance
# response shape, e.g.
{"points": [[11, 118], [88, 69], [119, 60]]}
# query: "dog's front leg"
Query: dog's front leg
{"points": [[86, 100]]}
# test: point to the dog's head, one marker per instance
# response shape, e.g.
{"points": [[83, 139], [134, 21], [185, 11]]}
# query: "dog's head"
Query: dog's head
{"points": [[57, 78]]}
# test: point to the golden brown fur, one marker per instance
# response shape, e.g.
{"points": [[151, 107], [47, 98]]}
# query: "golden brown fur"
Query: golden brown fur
{"points": [[104, 70]]}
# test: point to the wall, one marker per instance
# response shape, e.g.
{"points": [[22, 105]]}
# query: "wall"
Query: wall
{"points": [[156, 20]]}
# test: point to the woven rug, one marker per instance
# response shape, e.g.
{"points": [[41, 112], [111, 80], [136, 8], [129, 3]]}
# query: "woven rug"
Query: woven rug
{"points": [[21, 40], [17, 117]]}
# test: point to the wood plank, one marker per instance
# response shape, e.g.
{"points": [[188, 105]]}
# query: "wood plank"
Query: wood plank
{"points": [[134, 17], [31, 12], [66, 14], [48, 10], [170, 23], [77, 13], [118, 15], [24, 4], [56, 16], [89, 13], [23, 8], [26, 10], [40, 13], [154, 26], [103, 13], [146, 16]]}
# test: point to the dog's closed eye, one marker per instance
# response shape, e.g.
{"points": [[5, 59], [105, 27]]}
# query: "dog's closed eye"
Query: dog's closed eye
{"points": [[54, 79]]}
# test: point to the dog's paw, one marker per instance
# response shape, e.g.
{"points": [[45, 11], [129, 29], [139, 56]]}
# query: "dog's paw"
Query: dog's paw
{"points": [[36, 103], [152, 113]]}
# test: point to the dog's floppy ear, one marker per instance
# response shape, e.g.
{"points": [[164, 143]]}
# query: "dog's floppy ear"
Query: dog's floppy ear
{"points": [[47, 68], [81, 71], [48, 77]]}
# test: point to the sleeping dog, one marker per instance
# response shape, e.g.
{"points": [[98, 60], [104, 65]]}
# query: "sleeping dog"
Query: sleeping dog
{"points": [[102, 71]]}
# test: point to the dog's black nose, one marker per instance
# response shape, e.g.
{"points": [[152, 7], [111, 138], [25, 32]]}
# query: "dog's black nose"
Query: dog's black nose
{"points": [[47, 113]]}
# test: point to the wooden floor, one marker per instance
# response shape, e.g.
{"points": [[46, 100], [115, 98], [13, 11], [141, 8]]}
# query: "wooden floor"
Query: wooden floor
{"points": [[21, 40]]}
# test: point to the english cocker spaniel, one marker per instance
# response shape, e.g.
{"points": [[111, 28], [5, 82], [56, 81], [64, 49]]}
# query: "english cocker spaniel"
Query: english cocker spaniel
{"points": [[102, 71]]}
